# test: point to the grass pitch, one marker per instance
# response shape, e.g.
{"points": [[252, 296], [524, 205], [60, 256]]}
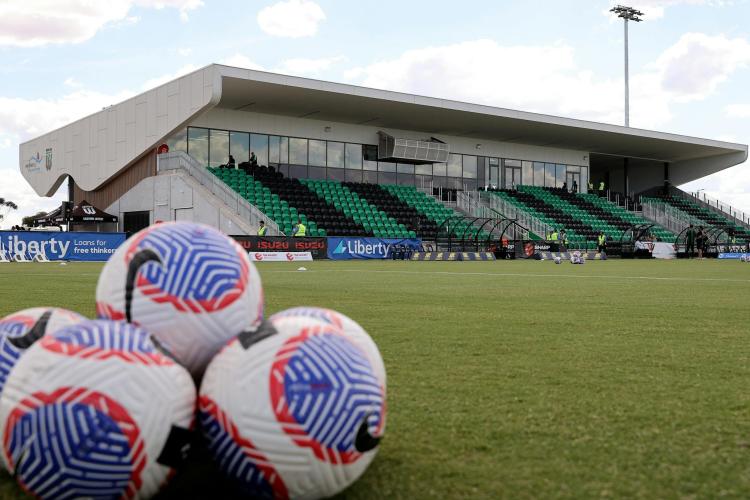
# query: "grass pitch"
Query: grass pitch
{"points": [[525, 379]]}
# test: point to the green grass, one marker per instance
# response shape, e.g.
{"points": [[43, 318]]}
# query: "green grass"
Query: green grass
{"points": [[526, 379]]}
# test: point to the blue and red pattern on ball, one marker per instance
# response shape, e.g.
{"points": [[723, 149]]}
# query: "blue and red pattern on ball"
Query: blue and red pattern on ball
{"points": [[322, 387], [327, 316], [103, 339], [11, 326], [200, 270], [74, 443], [236, 455]]}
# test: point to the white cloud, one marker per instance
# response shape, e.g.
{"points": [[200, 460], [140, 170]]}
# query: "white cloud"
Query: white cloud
{"points": [[738, 110], [291, 18], [548, 79], [72, 82], [24, 118], [655, 9], [731, 186], [35, 23], [241, 61], [16, 189], [184, 52], [160, 80], [308, 67]]}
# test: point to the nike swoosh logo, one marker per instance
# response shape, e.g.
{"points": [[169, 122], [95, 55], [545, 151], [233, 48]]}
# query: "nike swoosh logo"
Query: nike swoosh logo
{"points": [[35, 332], [364, 440], [139, 260]]}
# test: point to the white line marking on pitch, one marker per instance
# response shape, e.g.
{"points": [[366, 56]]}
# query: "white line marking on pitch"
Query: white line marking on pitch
{"points": [[449, 273]]}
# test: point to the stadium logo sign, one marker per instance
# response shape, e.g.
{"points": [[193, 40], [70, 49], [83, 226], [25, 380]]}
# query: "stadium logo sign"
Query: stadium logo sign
{"points": [[357, 247], [34, 164], [367, 248]]}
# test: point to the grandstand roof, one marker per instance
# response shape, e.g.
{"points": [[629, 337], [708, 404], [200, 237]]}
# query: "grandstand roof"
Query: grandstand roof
{"points": [[97, 147]]}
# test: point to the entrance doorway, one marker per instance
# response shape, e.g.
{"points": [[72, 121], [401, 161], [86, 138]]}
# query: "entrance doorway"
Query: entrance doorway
{"points": [[571, 177], [133, 222], [512, 177]]}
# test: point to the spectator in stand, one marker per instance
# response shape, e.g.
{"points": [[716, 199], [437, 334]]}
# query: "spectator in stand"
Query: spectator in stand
{"points": [[565, 186], [591, 187], [601, 188], [253, 159], [690, 241], [262, 228], [231, 163], [575, 187]]}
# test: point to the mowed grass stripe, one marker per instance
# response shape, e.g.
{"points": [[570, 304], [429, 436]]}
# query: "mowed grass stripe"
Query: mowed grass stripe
{"points": [[505, 385]]}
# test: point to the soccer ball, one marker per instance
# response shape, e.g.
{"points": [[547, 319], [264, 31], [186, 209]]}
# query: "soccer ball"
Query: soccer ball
{"points": [[295, 409], [301, 317], [95, 410], [558, 260], [190, 285], [19, 331]]}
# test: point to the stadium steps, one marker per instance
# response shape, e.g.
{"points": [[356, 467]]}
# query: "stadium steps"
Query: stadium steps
{"points": [[577, 231], [581, 214], [629, 217], [433, 210], [416, 223], [709, 217], [357, 208], [512, 208]]}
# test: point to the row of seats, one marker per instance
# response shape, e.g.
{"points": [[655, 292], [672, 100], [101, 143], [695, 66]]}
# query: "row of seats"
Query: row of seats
{"points": [[372, 218], [630, 218], [709, 217]]}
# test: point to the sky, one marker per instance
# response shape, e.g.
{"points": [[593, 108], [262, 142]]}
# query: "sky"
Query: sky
{"points": [[61, 60]]}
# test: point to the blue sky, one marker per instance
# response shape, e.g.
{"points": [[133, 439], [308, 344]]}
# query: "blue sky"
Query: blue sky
{"points": [[690, 61]]}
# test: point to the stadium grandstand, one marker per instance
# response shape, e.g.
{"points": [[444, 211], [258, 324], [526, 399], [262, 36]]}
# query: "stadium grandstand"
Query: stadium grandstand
{"points": [[354, 161]]}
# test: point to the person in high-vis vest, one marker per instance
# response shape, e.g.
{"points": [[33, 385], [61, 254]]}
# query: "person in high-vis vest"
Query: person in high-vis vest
{"points": [[602, 242], [300, 229], [262, 229], [601, 188], [553, 235], [591, 187]]}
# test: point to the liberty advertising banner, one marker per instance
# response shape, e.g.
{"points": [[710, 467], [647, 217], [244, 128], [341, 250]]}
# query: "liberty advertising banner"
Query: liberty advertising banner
{"points": [[367, 248], [59, 246]]}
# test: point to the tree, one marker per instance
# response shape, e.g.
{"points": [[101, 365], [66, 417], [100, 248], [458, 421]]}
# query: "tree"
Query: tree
{"points": [[6, 206], [29, 220]]}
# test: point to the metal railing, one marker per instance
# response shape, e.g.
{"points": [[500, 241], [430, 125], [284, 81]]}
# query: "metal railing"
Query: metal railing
{"points": [[702, 199], [667, 216], [536, 226], [179, 160], [470, 202]]}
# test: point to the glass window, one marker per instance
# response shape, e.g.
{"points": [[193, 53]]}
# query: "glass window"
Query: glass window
{"points": [[386, 177], [512, 163], [198, 144], [337, 174], [273, 149], [423, 169], [528, 173], [370, 152], [298, 171], [370, 165], [438, 169], [218, 149], [317, 153], [354, 156], [538, 174], [178, 142], [259, 144], [470, 184], [560, 177], [549, 175], [335, 155], [316, 173], [239, 146], [298, 151], [454, 165], [353, 175], [405, 179], [371, 177], [454, 183], [422, 180], [470, 167], [583, 186], [284, 150], [405, 168], [386, 166], [439, 181]]}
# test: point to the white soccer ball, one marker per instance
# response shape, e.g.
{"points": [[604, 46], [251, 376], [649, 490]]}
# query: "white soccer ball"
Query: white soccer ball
{"points": [[190, 285], [296, 409], [558, 260], [301, 317], [19, 331], [95, 410]]}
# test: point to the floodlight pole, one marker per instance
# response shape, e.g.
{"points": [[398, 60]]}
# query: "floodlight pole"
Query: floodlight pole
{"points": [[627, 14]]}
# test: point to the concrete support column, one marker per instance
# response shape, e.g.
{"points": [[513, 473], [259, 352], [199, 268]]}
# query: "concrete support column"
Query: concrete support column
{"points": [[625, 179], [666, 177]]}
